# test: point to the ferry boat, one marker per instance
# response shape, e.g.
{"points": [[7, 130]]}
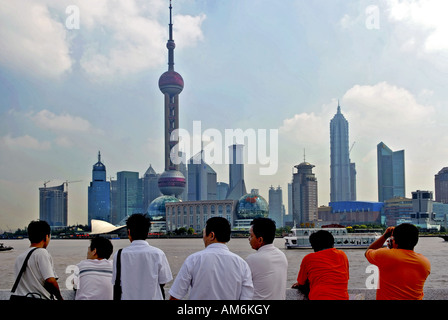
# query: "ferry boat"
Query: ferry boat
{"points": [[5, 248], [299, 238]]}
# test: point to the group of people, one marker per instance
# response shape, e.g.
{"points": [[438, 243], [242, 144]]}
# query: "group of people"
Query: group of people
{"points": [[140, 271]]}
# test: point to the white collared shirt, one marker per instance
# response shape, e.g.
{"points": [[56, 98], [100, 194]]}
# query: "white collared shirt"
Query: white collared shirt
{"points": [[269, 268], [143, 269], [214, 273], [92, 280]]}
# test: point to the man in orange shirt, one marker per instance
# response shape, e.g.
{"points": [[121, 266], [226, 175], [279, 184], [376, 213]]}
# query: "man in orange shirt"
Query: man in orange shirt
{"points": [[325, 272], [403, 272]]}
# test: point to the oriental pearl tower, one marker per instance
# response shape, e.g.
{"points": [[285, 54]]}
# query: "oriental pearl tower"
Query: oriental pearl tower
{"points": [[171, 181]]}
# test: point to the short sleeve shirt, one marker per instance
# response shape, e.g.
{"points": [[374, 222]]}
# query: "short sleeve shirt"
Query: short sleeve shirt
{"points": [[269, 268], [143, 269], [402, 273], [214, 273], [39, 268], [327, 272], [93, 280]]}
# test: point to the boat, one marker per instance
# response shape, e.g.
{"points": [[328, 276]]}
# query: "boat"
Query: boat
{"points": [[5, 248], [299, 238], [445, 237]]}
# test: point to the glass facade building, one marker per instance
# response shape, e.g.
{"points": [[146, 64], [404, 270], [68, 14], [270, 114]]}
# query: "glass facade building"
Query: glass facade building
{"points": [[99, 194], [53, 205], [391, 173]]}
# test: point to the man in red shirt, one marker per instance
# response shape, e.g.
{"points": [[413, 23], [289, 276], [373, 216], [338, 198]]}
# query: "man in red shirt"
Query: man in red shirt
{"points": [[403, 272], [325, 272]]}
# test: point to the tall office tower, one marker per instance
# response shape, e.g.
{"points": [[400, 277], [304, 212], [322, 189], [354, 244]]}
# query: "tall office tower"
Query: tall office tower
{"points": [[150, 186], [99, 194], [237, 187], [422, 207], [391, 173], [441, 185], [129, 195], [221, 190], [53, 206], [201, 179], [342, 185], [171, 181], [276, 207], [304, 194]]}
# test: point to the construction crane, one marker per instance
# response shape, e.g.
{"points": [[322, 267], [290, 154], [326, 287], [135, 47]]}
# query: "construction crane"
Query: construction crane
{"points": [[67, 182], [45, 183], [351, 147]]}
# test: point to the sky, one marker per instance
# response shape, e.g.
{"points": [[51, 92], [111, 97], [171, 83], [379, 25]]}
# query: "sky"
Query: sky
{"points": [[78, 77]]}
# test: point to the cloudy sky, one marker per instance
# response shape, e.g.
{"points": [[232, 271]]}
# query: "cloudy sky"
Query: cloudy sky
{"points": [[81, 76]]}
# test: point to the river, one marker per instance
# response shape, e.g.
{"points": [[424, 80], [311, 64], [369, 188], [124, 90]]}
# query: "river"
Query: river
{"points": [[69, 252]]}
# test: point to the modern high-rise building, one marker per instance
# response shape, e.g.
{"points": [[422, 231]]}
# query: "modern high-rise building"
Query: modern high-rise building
{"points": [[304, 194], [150, 186], [441, 185], [237, 186], [201, 179], [127, 196], [99, 194], [171, 181], [342, 171], [391, 173], [221, 190], [53, 205], [276, 207], [422, 209]]}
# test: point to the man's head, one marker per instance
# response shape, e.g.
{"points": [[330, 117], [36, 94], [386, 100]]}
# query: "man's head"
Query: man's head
{"points": [[321, 240], [405, 236], [262, 232], [39, 231], [100, 248], [138, 226], [217, 229]]}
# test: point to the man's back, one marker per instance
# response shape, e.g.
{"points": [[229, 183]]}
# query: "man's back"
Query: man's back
{"points": [[269, 268], [214, 273], [143, 269], [402, 273], [39, 268], [93, 280]]}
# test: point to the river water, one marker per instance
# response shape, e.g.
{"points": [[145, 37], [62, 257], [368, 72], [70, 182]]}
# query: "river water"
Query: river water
{"points": [[66, 253]]}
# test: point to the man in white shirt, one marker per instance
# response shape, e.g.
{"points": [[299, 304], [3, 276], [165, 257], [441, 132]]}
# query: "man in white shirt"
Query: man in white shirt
{"points": [[214, 273], [144, 268], [39, 278], [268, 265], [93, 277]]}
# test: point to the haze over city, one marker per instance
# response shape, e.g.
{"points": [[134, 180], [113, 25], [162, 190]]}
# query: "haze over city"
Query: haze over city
{"points": [[70, 90]]}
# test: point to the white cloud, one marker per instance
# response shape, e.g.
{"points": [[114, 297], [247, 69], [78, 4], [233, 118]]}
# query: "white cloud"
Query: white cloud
{"points": [[32, 41], [65, 122], [26, 142], [429, 15]]}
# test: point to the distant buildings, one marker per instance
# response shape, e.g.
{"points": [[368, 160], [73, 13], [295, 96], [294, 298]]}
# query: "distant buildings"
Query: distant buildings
{"points": [[202, 184], [304, 194], [99, 194], [391, 173], [237, 186], [342, 171], [276, 207], [53, 205], [441, 185]]}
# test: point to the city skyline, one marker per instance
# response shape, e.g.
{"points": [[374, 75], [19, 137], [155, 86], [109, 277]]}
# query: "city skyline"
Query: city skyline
{"points": [[67, 92]]}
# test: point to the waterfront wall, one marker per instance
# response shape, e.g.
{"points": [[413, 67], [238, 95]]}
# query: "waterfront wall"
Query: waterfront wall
{"points": [[292, 294]]}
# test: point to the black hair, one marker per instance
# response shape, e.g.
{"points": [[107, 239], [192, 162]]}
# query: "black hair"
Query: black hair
{"points": [[264, 227], [220, 226], [38, 230], [321, 240], [138, 225], [406, 236], [103, 247]]}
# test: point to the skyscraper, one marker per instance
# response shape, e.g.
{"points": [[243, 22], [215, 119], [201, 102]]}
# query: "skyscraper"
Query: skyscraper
{"points": [[171, 181], [237, 186], [276, 207], [441, 185], [342, 171], [99, 194], [150, 186], [391, 173], [128, 197], [304, 194], [53, 205], [201, 179]]}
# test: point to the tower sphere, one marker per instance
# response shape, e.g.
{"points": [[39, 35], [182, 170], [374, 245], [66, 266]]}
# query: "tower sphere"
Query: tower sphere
{"points": [[171, 182], [171, 82]]}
